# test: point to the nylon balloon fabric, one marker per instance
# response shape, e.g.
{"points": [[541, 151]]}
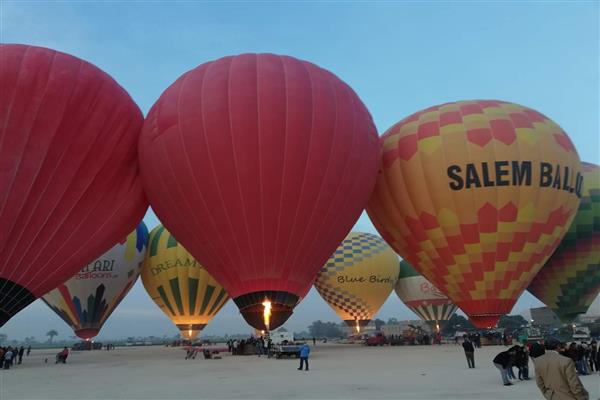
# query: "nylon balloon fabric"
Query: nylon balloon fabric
{"points": [[358, 278], [259, 164], [570, 280], [179, 285], [476, 195], [68, 162], [423, 298], [86, 300]]}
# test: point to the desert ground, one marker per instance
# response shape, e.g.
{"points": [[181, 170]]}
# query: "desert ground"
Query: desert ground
{"points": [[337, 371]]}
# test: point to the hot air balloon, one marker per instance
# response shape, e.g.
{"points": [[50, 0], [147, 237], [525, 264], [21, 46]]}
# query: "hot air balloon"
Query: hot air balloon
{"points": [[179, 285], [68, 162], [259, 164], [570, 280], [476, 195], [423, 298], [358, 278], [87, 299]]}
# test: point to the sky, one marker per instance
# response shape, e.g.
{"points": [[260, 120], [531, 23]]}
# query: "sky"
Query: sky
{"points": [[399, 57]]}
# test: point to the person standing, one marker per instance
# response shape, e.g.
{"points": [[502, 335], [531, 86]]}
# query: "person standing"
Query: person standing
{"points": [[502, 362], [8, 356], [521, 362], [21, 353], [304, 352], [593, 356], [28, 350], [469, 352], [556, 376]]}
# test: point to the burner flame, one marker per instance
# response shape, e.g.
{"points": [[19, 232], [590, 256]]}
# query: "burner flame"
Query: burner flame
{"points": [[267, 312]]}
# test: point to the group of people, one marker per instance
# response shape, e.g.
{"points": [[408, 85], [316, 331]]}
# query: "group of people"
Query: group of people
{"points": [[516, 356], [585, 356], [253, 345], [10, 356], [556, 367], [555, 373]]}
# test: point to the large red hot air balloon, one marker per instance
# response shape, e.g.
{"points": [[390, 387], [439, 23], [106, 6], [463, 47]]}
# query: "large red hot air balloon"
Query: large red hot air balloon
{"points": [[259, 165], [68, 162]]}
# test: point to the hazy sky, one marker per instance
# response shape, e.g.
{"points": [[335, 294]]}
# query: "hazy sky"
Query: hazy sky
{"points": [[399, 57]]}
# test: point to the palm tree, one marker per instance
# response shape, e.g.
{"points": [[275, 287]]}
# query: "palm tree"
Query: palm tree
{"points": [[51, 333]]}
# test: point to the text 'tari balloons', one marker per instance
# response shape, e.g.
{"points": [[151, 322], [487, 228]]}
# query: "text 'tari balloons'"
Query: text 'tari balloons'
{"points": [[423, 298], [179, 285], [570, 280], [260, 165], [87, 299], [358, 278], [69, 176], [476, 195]]}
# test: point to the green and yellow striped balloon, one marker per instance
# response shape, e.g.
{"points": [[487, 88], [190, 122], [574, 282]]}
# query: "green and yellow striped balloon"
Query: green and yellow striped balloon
{"points": [[570, 280], [179, 285]]}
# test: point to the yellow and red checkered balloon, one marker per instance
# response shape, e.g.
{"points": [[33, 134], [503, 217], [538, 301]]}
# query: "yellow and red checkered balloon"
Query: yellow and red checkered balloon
{"points": [[477, 195]]}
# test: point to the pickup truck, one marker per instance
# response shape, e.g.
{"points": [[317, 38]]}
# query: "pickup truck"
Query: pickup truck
{"points": [[288, 350]]}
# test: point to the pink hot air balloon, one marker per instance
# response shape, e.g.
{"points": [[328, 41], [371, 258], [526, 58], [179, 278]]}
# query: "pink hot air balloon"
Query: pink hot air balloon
{"points": [[259, 164], [68, 162]]}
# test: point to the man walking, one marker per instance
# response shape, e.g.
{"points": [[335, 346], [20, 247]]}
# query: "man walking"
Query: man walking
{"points": [[469, 351], [21, 352], [304, 352], [556, 375]]}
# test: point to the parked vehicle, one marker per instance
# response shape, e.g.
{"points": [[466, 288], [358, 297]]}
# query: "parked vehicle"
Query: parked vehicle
{"points": [[379, 339]]}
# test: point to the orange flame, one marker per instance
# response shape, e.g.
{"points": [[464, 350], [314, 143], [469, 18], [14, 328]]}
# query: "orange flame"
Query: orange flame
{"points": [[190, 333], [357, 327], [437, 327], [267, 312]]}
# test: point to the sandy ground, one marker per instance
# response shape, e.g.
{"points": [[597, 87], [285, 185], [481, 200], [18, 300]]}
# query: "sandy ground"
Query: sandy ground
{"points": [[337, 372]]}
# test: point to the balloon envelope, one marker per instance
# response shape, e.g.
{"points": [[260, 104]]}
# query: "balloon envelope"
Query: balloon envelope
{"points": [[570, 280], [358, 277], [68, 162], [179, 285], [476, 195], [260, 165], [87, 299], [423, 298]]}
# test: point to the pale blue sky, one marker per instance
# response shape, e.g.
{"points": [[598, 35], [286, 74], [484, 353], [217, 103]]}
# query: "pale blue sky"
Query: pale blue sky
{"points": [[399, 57]]}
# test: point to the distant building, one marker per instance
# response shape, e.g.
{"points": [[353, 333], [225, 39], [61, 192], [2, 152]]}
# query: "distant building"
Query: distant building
{"points": [[401, 326], [544, 317], [587, 319]]}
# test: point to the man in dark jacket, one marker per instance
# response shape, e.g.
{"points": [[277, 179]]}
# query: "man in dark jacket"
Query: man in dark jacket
{"points": [[522, 362], [502, 361], [469, 351]]}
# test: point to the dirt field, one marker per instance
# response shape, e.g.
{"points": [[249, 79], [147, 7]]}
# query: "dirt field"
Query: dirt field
{"points": [[337, 372]]}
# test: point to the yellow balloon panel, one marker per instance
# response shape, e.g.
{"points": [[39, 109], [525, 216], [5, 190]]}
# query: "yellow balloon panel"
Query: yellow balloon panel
{"points": [[359, 277], [179, 285]]}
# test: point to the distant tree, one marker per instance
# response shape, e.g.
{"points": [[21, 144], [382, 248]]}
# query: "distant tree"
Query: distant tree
{"points": [[456, 323], [378, 324], [282, 329], [325, 329], [512, 322], [3, 337], [51, 333], [392, 321]]}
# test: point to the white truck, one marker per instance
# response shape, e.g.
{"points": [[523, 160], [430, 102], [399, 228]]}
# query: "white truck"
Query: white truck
{"points": [[278, 338], [581, 333]]}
